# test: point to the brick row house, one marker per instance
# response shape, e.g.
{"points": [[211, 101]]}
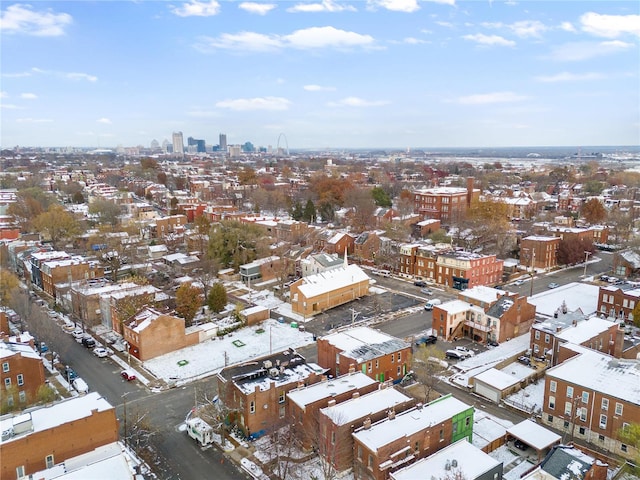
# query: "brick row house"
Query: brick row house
{"points": [[618, 301], [593, 397], [22, 372], [539, 252], [402, 438], [462, 270]]}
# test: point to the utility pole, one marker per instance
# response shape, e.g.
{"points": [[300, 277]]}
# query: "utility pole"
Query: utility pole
{"points": [[124, 400], [586, 258], [533, 257]]}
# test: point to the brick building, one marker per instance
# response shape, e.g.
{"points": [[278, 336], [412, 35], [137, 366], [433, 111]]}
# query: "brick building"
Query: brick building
{"points": [[426, 259], [163, 226], [305, 402], [22, 372], [447, 204], [376, 354], [256, 392], [50, 435], [151, 333], [401, 439], [618, 301], [338, 420], [592, 397], [538, 251], [462, 270]]}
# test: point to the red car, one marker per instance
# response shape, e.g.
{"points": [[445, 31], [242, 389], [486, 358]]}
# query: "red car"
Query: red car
{"points": [[128, 375]]}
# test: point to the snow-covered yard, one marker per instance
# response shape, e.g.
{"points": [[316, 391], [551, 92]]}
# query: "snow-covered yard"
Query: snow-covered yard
{"points": [[530, 399]]}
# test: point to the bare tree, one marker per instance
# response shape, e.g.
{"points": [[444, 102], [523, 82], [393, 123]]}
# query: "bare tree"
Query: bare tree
{"points": [[428, 367], [282, 450]]}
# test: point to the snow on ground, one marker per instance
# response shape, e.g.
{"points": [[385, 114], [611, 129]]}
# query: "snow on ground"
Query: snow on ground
{"points": [[504, 454], [487, 428], [518, 470], [530, 399], [210, 356]]}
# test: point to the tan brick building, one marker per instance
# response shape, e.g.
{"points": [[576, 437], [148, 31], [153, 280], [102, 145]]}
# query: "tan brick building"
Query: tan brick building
{"points": [[592, 397], [256, 392], [22, 368], [376, 354], [50, 435], [151, 333], [305, 402], [401, 439], [337, 421]]}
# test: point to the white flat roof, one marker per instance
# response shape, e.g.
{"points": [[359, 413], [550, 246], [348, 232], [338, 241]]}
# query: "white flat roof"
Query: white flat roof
{"points": [[327, 281], [364, 405], [534, 435], [575, 295], [329, 388], [497, 379]]}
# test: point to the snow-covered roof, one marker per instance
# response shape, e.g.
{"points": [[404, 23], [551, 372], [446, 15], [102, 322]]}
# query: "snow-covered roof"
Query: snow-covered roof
{"points": [[410, 422], [458, 306], [252, 310], [541, 238], [585, 330], [611, 376], [10, 349], [327, 281], [379, 401], [66, 411], [482, 293], [364, 343], [328, 389], [534, 435], [441, 191], [470, 461], [631, 257], [498, 379], [581, 296]]}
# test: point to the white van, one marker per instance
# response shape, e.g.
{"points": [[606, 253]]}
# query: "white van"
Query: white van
{"points": [[81, 386], [432, 303]]}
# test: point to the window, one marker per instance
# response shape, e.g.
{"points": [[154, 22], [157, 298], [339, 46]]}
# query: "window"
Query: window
{"points": [[377, 363], [5, 367], [567, 408], [566, 424], [416, 447], [252, 407], [333, 437], [625, 427], [281, 397], [22, 396], [7, 382], [582, 430], [570, 392], [585, 397], [441, 434], [20, 471], [359, 452], [398, 370], [583, 414], [618, 409], [20, 379], [603, 421], [623, 447], [549, 418], [369, 367], [605, 404], [537, 334], [393, 357], [399, 357], [49, 461], [10, 400], [467, 421], [552, 386], [370, 461], [601, 438], [547, 338]]}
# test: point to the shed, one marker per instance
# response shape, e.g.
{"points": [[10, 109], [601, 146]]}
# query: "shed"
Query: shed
{"points": [[534, 435], [255, 314]]}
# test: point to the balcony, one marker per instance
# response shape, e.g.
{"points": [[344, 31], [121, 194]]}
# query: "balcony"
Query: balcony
{"points": [[478, 326]]}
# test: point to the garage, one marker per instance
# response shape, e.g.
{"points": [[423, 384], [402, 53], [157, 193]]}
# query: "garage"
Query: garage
{"points": [[535, 436], [493, 384]]}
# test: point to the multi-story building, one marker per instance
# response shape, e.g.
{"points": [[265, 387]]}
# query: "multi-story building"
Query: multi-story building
{"points": [[593, 397], [549, 336], [68, 270], [401, 439], [447, 204], [305, 402], [538, 251], [223, 142], [338, 420], [618, 301], [376, 354], [426, 259], [178, 143], [256, 392], [408, 256], [462, 270], [568, 461], [321, 262], [49, 435], [22, 374]]}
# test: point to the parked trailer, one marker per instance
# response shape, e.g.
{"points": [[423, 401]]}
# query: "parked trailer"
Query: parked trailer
{"points": [[200, 430]]}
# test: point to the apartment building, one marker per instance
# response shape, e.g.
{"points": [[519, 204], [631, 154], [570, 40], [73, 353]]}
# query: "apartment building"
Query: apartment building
{"points": [[447, 204], [256, 392], [426, 259], [22, 374], [401, 439], [376, 354], [618, 301], [337, 421], [593, 397], [462, 270], [539, 252]]}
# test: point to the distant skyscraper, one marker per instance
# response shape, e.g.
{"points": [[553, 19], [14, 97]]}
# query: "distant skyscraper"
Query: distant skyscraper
{"points": [[178, 143], [223, 142]]}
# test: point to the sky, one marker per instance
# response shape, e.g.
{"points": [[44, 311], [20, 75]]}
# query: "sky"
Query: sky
{"points": [[321, 74]]}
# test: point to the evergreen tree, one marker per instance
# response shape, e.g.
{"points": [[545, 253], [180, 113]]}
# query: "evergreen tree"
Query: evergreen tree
{"points": [[309, 213], [217, 299]]}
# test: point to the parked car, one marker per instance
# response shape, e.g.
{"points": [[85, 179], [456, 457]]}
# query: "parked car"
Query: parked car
{"points": [[69, 327], [553, 285], [420, 283], [426, 291], [69, 374], [128, 375], [524, 360], [518, 282], [493, 343], [520, 445], [454, 355], [77, 334], [88, 342], [80, 385], [100, 352], [427, 340], [432, 303], [465, 351]]}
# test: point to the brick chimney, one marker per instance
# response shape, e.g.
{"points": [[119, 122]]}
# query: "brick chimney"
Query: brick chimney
{"points": [[367, 423], [355, 395], [352, 368], [332, 403], [391, 414]]}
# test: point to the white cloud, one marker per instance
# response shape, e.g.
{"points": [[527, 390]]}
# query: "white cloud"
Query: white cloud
{"points": [[258, 103], [324, 6], [577, 51], [17, 75], [28, 96], [197, 9], [407, 6], [568, 27], [67, 75], [413, 41], [610, 26], [318, 88], [106, 121], [569, 77], [247, 41], [257, 8], [483, 39], [22, 19], [528, 28], [323, 37], [34, 120], [4, 94], [357, 102], [445, 24], [11, 106], [488, 98]]}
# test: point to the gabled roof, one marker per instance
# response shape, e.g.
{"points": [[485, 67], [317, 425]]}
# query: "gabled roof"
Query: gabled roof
{"points": [[567, 462]]}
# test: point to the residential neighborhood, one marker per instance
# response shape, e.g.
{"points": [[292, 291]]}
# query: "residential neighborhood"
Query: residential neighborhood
{"points": [[388, 317]]}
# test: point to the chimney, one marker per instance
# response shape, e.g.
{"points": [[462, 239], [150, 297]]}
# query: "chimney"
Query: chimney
{"points": [[391, 414], [352, 368], [470, 181], [367, 423], [300, 384], [355, 395], [332, 403], [323, 378]]}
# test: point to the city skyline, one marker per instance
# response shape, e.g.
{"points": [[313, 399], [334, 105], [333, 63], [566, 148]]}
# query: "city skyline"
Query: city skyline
{"points": [[375, 74]]}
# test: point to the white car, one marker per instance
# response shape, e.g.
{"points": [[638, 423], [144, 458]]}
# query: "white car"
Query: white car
{"points": [[100, 352], [518, 282], [465, 351], [78, 334]]}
